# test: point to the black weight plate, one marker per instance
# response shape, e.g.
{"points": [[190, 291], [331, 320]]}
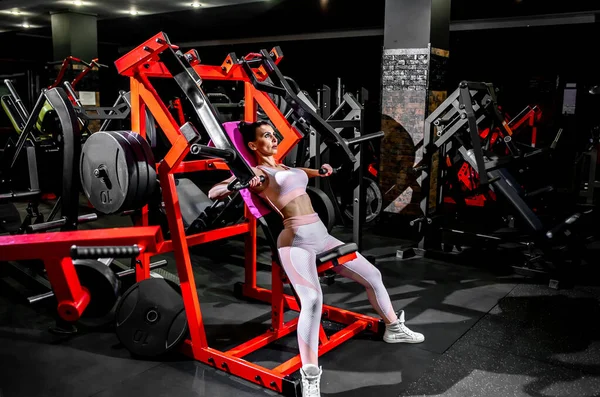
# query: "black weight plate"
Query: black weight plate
{"points": [[102, 284], [142, 168], [373, 201], [172, 284], [152, 178], [10, 219], [134, 174], [150, 318], [323, 206], [108, 193]]}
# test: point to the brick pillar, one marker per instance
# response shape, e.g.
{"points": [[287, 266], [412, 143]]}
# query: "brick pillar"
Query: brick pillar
{"points": [[413, 84]]}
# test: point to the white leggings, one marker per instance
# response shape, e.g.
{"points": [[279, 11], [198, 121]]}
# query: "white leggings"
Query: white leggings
{"points": [[298, 244]]}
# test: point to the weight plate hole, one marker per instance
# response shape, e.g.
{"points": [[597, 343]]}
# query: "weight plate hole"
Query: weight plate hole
{"points": [[152, 316]]}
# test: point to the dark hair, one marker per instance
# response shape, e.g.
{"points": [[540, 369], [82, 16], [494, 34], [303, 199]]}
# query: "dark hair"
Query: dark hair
{"points": [[248, 130]]}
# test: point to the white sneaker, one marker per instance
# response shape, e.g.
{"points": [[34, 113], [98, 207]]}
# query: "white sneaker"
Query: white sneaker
{"points": [[311, 380], [397, 332]]}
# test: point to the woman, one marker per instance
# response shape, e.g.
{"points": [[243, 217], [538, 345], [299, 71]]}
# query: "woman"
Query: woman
{"points": [[303, 237]]}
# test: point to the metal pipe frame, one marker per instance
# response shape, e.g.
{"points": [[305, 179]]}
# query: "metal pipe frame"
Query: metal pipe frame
{"points": [[148, 60]]}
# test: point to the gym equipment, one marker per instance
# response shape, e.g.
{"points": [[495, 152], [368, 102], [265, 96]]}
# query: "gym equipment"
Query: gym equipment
{"points": [[354, 198], [70, 151], [348, 118], [589, 164], [102, 284], [199, 213], [122, 106], [493, 135], [74, 285], [65, 65], [158, 58], [117, 171], [38, 143], [458, 120], [150, 318]]}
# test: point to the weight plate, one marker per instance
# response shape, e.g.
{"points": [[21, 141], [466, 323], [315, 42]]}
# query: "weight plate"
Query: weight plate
{"points": [[150, 162], [172, 283], [373, 201], [323, 206], [134, 174], [107, 166], [150, 318], [142, 168], [102, 284]]}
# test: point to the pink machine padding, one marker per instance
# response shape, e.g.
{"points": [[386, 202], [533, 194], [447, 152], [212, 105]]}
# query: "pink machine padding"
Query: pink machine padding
{"points": [[255, 204]]}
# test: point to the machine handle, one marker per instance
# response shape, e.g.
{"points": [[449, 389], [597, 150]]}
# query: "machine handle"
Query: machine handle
{"points": [[323, 171], [41, 227], [126, 251], [235, 185], [364, 138], [225, 154]]}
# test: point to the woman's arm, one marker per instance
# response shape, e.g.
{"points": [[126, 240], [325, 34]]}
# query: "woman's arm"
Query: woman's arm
{"points": [[220, 191], [312, 173]]}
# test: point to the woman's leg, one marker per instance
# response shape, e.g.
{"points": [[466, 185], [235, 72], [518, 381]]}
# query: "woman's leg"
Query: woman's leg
{"points": [[299, 266], [363, 272]]}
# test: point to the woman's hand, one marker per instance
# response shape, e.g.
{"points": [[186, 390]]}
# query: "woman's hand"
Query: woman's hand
{"points": [[328, 169], [254, 182]]}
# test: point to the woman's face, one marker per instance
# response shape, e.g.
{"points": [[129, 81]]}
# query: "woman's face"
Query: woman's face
{"points": [[266, 141]]}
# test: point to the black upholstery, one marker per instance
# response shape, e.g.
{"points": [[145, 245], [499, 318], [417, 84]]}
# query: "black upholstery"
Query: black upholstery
{"points": [[336, 252], [272, 225]]}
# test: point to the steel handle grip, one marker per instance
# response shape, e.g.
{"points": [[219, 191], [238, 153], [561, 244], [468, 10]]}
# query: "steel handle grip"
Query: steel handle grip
{"points": [[127, 251], [200, 150]]}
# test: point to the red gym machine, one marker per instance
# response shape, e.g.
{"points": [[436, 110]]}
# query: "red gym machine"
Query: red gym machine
{"points": [[60, 251], [158, 58]]}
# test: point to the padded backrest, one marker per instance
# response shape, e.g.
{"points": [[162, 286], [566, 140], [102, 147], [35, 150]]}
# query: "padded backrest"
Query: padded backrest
{"points": [[269, 220], [255, 204]]}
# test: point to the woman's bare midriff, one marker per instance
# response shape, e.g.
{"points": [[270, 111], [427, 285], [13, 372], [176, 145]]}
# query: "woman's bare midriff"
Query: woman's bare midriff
{"points": [[301, 205]]}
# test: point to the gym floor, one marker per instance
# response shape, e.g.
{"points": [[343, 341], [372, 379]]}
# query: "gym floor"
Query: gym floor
{"points": [[488, 333]]}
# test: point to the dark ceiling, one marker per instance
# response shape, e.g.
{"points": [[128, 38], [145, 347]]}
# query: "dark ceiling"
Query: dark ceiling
{"points": [[29, 15], [32, 14], [220, 21], [479, 9]]}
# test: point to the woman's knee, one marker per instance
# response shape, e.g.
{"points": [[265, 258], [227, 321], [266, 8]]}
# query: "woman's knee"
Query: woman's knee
{"points": [[311, 299]]}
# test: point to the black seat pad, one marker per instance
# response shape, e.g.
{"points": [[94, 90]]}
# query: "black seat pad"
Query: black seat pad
{"points": [[336, 252]]}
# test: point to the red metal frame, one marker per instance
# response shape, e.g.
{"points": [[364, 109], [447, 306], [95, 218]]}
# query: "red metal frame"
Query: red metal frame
{"points": [[54, 249], [65, 66], [531, 117], [469, 178], [178, 108], [143, 63]]}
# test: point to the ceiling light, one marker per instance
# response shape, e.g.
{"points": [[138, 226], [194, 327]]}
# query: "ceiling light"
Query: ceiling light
{"points": [[15, 12], [195, 4], [78, 2], [26, 25], [133, 12]]}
